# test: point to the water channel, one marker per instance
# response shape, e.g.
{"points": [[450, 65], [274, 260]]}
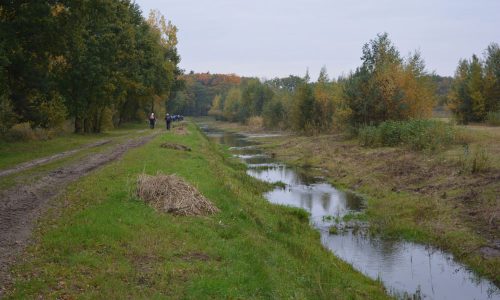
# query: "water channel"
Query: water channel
{"points": [[408, 270]]}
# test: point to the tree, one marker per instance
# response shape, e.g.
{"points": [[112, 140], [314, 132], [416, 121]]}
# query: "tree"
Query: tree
{"points": [[94, 60], [323, 109], [475, 89], [217, 107], [458, 99], [303, 109], [232, 104], [492, 78], [387, 87]]}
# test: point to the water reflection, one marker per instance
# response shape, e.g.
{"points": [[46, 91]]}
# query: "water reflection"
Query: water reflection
{"points": [[404, 268]]}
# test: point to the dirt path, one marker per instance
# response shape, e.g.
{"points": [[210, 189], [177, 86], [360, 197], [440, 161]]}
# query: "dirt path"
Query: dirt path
{"points": [[40, 161], [21, 205]]}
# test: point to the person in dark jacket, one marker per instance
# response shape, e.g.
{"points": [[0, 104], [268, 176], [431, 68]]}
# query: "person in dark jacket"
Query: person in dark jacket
{"points": [[168, 120], [152, 120]]}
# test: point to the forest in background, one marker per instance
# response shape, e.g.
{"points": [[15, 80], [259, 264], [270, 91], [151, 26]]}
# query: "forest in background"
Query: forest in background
{"points": [[386, 87], [97, 63]]}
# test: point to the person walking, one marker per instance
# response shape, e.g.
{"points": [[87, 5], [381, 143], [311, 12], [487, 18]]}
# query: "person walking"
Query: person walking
{"points": [[168, 120], [152, 120]]}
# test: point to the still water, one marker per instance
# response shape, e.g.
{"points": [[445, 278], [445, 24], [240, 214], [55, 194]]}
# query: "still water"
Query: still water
{"points": [[408, 270]]}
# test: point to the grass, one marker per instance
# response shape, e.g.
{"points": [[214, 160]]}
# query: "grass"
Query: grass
{"points": [[421, 196], [102, 242], [12, 153]]}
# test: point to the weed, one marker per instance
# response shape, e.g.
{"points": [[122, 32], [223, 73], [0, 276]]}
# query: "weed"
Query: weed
{"points": [[333, 230], [475, 161]]}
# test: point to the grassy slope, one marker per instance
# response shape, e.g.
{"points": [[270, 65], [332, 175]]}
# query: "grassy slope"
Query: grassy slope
{"points": [[415, 196], [103, 242]]}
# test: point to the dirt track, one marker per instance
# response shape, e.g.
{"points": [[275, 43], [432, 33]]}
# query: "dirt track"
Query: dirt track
{"points": [[21, 205], [37, 162]]}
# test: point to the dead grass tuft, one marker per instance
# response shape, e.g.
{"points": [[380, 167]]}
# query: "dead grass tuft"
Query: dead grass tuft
{"points": [[175, 146], [171, 194], [181, 129]]}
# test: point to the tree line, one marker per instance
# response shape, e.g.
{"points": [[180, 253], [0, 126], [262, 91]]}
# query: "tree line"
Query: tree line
{"points": [[96, 62], [385, 87]]}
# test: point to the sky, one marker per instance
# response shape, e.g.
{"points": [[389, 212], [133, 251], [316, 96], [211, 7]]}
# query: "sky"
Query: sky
{"points": [[276, 38]]}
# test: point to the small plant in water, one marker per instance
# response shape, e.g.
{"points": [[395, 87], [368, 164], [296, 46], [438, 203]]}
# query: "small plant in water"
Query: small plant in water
{"points": [[333, 230]]}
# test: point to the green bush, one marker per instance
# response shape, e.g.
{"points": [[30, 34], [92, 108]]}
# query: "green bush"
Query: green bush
{"points": [[493, 118], [416, 134]]}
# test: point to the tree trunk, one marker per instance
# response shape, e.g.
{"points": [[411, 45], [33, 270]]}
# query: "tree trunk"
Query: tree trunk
{"points": [[78, 125]]}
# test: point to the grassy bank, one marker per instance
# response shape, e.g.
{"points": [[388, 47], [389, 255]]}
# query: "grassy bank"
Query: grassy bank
{"points": [[429, 197], [101, 241]]}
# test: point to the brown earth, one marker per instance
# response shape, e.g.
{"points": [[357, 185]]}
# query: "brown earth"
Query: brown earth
{"points": [[20, 206]]}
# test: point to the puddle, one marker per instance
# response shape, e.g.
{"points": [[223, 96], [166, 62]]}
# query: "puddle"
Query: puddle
{"points": [[408, 270]]}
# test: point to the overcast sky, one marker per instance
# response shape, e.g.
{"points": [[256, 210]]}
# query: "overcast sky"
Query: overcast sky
{"points": [[268, 38]]}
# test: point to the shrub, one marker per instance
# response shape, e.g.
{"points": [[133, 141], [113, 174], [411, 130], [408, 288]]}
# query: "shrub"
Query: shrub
{"points": [[416, 134], [20, 132], [493, 118], [369, 136], [255, 122]]}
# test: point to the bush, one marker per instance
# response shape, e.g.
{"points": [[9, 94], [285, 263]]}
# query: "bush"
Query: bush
{"points": [[255, 122], [24, 132], [493, 118], [369, 136], [416, 134], [20, 132]]}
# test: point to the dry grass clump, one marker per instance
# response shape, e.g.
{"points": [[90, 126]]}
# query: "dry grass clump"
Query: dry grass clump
{"points": [[175, 146], [181, 129], [170, 193]]}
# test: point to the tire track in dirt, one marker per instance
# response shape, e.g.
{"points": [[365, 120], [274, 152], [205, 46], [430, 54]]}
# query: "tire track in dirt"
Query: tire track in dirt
{"points": [[40, 161], [21, 205]]}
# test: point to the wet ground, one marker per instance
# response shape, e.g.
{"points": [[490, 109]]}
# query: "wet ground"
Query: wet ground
{"points": [[406, 269]]}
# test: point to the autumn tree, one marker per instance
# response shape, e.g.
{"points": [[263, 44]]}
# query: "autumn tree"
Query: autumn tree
{"points": [[232, 104], [388, 87]]}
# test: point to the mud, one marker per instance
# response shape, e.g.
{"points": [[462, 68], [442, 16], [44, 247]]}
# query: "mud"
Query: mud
{"points": [[21, 205], [45, 160]]}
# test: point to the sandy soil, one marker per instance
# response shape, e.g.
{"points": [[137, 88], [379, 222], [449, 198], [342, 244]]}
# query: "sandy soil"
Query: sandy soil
{"points": [[20, 206]]}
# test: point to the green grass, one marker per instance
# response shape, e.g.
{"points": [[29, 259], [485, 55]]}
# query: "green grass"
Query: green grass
{"points": [[102, 242], [12, 153]]}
